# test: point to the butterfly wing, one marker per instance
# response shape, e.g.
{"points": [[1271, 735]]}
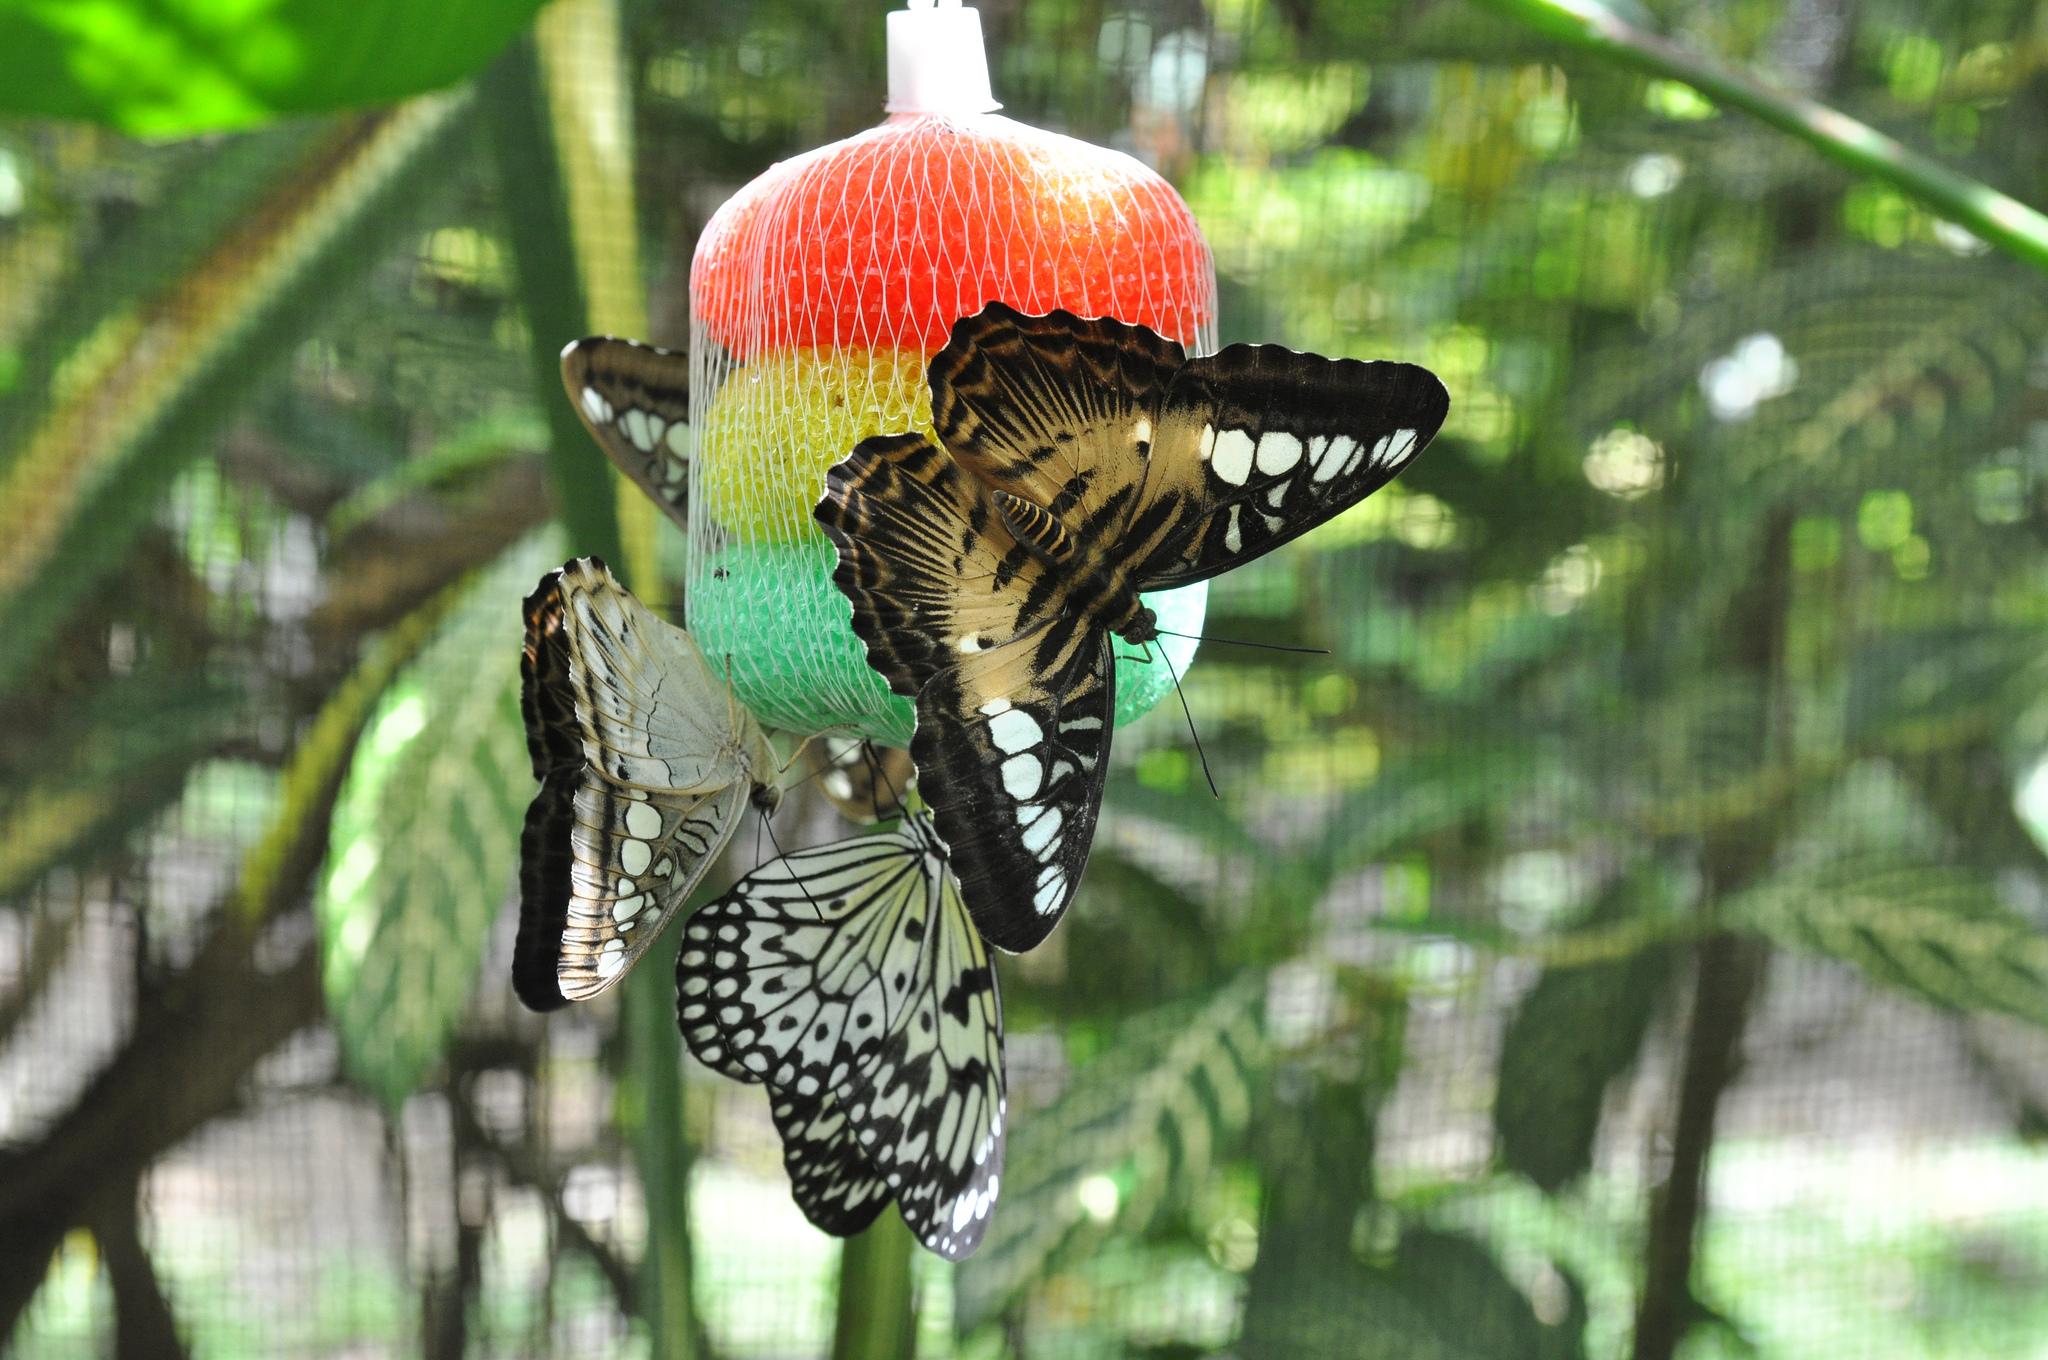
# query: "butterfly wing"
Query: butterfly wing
{"points": [[647, 769], [851, 974], [1013, 688], [830, 1178], [1258, 444], [1056, 409], [635, 400]]}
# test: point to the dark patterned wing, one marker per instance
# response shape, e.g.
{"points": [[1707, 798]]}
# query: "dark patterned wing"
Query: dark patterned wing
{"points": [[1013, 686], [851, 973], [1259, 444], [635, 399], [830, 1178], [647, 765], [1055, 409]]}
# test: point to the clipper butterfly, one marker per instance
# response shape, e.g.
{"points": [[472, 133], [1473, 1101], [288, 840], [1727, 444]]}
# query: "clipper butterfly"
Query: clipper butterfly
{"points": [[1083, 462]]}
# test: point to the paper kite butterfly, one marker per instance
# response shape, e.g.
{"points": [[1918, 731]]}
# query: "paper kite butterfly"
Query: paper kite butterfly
{"points": [[851, 980], [635, 400], [647, 766], [1083, 462]]}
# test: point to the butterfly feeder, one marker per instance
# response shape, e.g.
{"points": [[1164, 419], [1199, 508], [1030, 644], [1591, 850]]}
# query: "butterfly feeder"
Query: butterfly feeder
{"points": [[817, 294]]}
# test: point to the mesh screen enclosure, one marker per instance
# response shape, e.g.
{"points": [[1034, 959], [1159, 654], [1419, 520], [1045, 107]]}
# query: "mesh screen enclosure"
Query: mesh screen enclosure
{"points": [[1629, 941]]}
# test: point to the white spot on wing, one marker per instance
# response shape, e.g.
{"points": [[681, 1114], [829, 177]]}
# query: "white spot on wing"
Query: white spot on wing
{"points": [[642, 821], [678, 440], [1278, 451], [634, 856], [1052, 889], [598, 408], [1233, 540], [1393, 448], [1232, 460], [1333, 457], [1042, 832], [1014, 730], [611, 958], [634, 423], [994, 706], [1022, 775]]}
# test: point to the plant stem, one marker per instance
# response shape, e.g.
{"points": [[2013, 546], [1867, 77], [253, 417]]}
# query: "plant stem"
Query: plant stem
{"points": [[877, 1315], [2003, 221], [543, 257]]}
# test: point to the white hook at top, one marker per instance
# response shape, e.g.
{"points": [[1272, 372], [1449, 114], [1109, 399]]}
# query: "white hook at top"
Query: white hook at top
{"points": [[937, 62]]}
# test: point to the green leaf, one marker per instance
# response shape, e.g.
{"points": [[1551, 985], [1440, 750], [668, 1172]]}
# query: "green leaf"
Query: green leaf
{"points": [[425, 839], [1132, 1130], [1938, 930], [1442, 1297], [82, 474], [1575, 1031], [176, 67]]}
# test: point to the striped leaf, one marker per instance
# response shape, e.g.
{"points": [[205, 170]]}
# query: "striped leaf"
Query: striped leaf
{"points": [[1938, 930], [1132, 1131], [424, 848]]}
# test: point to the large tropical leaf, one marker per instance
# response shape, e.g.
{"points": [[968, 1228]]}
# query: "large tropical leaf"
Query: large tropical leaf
{"points": [[1132, 1129], [1441, 1297], [1575, 1032], [1935, 929], [175, 67], [425, 841]]}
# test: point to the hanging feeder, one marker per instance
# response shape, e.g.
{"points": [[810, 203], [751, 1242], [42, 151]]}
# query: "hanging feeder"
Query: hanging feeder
{"points": [[817, 294]]}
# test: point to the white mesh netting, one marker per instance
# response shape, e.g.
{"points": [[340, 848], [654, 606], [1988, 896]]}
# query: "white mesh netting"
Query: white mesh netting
{"points": [[817, 294]]}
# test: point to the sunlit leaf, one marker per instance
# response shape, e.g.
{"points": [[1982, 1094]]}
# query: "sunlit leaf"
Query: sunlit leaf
{"points": [[175, 67]]}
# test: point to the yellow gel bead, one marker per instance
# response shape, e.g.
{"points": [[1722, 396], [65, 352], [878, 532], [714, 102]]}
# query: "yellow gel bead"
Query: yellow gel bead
{"points": [[780, 422]]}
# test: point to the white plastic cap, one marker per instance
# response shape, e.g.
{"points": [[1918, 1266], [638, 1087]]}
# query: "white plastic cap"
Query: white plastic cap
{"points": [[937, 63]]}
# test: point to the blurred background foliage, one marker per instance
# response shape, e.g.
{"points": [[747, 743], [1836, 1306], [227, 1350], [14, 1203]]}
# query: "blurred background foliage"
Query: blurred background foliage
{"points": [[1629, 942]]}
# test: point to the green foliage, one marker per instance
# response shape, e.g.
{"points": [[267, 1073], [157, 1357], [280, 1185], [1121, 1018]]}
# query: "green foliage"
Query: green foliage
{"points": [[1575, 1032], [176, 67], [1937, 930], [1132, 1131], [1439, 1297], [425, 843], [84, 474]]}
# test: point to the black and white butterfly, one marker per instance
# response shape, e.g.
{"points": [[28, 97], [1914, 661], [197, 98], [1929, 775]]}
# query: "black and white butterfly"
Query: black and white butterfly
{"points": [[647, 766], [1084, 462], [635, 400], [851, 980]]}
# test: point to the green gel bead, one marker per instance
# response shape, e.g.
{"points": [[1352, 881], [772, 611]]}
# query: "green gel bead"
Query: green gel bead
{"points": [[769, 614]]}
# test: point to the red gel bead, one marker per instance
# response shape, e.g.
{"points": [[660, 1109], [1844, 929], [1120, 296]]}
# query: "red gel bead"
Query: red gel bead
{"points": [[887, 238]]}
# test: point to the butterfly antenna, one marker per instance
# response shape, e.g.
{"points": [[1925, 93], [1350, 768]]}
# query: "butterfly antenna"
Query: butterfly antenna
{"points": [[1188, 713], [783, 855], [1240, 642]]}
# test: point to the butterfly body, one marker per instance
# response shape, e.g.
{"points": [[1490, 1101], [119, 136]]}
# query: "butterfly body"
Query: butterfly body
{"points": [[1084, 463], [647, 766]]}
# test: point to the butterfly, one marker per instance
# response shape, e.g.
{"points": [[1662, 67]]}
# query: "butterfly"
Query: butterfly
{"points": [[635, 400], [850, 979], [647, 766], [1084, 462]]}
